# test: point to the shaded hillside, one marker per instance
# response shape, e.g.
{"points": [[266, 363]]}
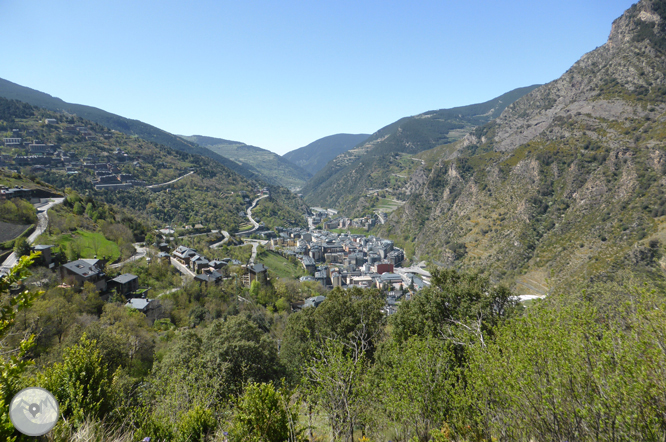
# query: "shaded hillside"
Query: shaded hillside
{"points": [[267, 165], [317, 154], [376, 163], [127, 126], [567, 186]]}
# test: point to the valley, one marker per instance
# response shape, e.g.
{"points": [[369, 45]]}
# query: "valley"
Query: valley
{"points": [[488, 272]]}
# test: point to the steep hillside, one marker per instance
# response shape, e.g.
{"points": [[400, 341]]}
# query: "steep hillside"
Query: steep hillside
{"points": [[379, 162], [566, 187], [267, 165], [317, 154], [73, 152], [127, 126]]}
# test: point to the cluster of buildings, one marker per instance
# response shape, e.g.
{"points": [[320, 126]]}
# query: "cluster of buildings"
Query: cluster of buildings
{"points": [[346, 260], [40, 156], [329, 220], [212, 271], [81, 271], [7, 193]]}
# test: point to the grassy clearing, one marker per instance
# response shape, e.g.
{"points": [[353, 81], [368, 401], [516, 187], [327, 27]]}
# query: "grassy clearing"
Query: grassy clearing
{"points": [[280, 266], [88, 244], [245, 227]]}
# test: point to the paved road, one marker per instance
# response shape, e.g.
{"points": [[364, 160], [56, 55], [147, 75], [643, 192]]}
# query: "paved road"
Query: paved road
{"points": [[42, 223], [169, 182], [381, 216], [255, 243], [249, 214], [175, 289], [181, 268], [140, 253], [226, 238]]}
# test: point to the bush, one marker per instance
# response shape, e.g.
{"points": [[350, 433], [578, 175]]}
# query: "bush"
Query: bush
{"points": [[263, 414]]}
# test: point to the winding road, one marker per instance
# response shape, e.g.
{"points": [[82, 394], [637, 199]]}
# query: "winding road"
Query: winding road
{"points": [[169, 182], [140, 253], [249, 215], [42, 223], [249, 212], [226, 238], [255, 243]]}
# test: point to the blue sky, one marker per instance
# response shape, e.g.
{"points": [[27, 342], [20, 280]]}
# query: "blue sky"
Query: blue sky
{"points": [[281, 74]]}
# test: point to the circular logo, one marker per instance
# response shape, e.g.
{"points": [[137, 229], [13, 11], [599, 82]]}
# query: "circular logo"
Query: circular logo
{"points": [[34, 411]]}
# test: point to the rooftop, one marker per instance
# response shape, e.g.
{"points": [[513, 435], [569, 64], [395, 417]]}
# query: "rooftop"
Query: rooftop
{"points": [[124, 278]]}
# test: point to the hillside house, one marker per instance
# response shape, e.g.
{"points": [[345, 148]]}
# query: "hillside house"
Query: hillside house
{"points": [[124, 284], [84, 270], [209, 277], [184, 254], [256, 272]]}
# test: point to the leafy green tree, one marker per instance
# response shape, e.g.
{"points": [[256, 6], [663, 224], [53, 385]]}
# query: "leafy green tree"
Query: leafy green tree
{"points": [[207, 371], [263, 414], [21, 247], [416, 383], [334, 379], [77, 209], [352, 316], [563, 373], [239, 352], [81, 383], [72, 251], [13, 362], [457, 306]]}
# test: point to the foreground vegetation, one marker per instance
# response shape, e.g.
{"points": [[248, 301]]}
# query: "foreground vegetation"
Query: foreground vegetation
{"points": [[463, 361]]}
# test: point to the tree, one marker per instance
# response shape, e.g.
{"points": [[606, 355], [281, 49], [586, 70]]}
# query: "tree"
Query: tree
{"points": [[263, 414], [78, 209], [21, 247], [334, 379], [239, 352], [353, 317], [13, 362], [72, 251], [81, 383], [457, 307], [416, 384], [564, 373]]}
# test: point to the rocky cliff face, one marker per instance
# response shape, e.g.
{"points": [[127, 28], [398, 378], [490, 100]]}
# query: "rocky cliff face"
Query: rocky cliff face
{"points": [[567, 185]]}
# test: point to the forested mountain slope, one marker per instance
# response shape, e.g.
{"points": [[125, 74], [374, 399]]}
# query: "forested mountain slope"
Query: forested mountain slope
{"points": [[567, 185], [214, 195], [267, 165], [317, 154], [127, 126], [372, 165]]}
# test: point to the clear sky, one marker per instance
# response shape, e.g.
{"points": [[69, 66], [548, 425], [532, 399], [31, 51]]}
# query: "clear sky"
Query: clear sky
{"points": [[281, 74]]}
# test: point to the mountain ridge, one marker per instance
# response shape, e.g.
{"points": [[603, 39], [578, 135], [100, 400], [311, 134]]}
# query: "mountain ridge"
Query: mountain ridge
{"points": [[127, 126], [268, 165], [565, 188], [348, 176], [314, 156]]}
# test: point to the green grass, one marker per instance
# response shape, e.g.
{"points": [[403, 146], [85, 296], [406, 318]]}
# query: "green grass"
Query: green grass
{"points": [[280, 265], [89, 244]]}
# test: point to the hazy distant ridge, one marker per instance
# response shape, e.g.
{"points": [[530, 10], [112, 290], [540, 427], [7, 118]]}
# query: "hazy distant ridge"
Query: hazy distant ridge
{"points": [[268, 165], [315, 155]]}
